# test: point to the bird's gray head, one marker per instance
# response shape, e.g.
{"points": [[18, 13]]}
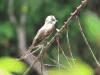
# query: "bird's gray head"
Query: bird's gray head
{"points": [[51, 19]]}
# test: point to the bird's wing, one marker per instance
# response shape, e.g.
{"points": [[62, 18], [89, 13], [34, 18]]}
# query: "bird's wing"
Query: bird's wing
{"points": [[42, 35]]}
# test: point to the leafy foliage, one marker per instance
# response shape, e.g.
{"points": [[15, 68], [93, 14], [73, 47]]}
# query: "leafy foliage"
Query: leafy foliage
{"points": [[6, 33]]}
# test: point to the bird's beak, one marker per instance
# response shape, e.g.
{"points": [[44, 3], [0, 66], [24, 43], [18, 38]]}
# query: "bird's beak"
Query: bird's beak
{"points": [[57, 21]]}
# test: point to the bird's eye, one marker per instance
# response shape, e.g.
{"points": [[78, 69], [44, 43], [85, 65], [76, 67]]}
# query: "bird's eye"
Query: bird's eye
{"points": [[52, 19]]}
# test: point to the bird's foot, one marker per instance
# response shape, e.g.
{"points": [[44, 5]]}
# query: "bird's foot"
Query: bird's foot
{"points": [[45, 43]]}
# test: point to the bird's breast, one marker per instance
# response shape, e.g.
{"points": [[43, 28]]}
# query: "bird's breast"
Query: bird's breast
{"points": [[48, 28]]}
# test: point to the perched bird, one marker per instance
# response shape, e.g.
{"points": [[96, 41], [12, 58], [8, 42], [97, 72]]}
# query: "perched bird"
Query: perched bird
{"points": [[45, 31]]}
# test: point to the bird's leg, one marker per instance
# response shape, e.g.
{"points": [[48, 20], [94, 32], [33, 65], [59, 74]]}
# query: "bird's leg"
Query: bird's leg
{"points": [[45, 43]]}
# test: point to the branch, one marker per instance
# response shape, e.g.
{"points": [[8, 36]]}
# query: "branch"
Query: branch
{"points": [[57, 39], [22, 20], [69, 46], [10, 13], [86, 41], [59, 32], [21, 35]]}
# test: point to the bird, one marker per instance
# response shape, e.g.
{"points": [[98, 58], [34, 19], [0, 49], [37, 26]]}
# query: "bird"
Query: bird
{"points": [[44, 32]]}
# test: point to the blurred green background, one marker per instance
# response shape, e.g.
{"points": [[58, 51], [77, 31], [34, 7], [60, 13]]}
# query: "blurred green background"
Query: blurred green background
{"points": [[21, 19]]}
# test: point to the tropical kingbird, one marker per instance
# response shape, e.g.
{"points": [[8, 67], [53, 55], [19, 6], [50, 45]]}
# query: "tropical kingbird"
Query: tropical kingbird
{"points": [[45, 31]]}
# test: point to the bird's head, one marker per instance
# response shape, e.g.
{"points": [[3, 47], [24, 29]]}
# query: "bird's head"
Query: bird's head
{"points": [[51, 19]]}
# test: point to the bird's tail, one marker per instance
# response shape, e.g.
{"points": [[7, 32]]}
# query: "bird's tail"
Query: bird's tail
{"points": [[28, 52], [30, 48]]}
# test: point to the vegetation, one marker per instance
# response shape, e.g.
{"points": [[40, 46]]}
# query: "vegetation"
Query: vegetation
{"points": [[33, 14]]}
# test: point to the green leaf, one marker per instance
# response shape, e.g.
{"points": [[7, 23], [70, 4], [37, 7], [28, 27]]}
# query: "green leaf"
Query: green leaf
{"points": [[8, 64]]}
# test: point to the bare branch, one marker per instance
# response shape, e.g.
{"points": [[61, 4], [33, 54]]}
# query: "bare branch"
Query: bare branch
{"points": [[57, 63], [69, 46], [65, 55], [57, 39], [10, 13], [42, 63], [21, 34], [52, 65], [86, 41], [33, 62], [63, 52], [22, 20]]}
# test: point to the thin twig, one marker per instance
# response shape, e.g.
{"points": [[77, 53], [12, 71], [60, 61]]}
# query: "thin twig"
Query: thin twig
{"points": [[11, 14], [35, 50], [69, 46], [65, 55], [42, 63], [57, 38], [57, 62], [33, 62], [86, 41], [62, 50], [25, 56], [52, 65]]}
